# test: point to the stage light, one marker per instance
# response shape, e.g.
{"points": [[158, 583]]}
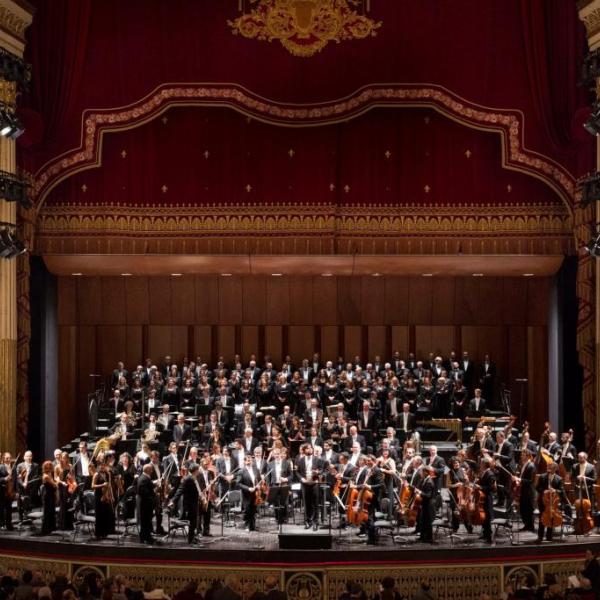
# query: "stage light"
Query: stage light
{"points": [[276, 274], [477, 274], [326, 274], [590, 189], [593, 246], [10, 245], [225, 274], [14, 189], [10, 126], [592, 125], [528, 274]]}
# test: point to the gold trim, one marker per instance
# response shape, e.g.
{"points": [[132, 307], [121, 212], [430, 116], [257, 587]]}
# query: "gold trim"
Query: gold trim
{"points": [[508, 123]]}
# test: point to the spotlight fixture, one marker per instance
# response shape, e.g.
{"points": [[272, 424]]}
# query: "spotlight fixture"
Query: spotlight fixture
{"points": [[593, 246], [590, 189], [10, 126], [592, 125], [14, 189], [10, 244]]}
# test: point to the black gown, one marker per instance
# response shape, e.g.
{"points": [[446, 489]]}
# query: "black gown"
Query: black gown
{"points": [[105, 516], [49, 508], [65, 512]]}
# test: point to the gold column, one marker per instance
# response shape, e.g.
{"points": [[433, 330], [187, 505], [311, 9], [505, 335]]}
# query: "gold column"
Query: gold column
{"points": [[14, 19], [589, 13]]}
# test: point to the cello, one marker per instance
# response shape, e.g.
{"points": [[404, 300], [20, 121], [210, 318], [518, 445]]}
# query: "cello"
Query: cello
{"points": [[357, 511], [552, 515], [584, 522]]}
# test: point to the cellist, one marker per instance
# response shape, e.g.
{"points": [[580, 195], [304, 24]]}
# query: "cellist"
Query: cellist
{"points": [[369, 477], [457, 477], [546, 481], [526, 482]]}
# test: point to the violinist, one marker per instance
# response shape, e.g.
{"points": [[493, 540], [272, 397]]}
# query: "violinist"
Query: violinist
{"points": [[525, 481], [7, 487], [505, 455], [48, 490], [429, 493], [248, 481], [104, 502], [309, 471], [546, 481], [206, 479], [67, 489], [226, 466], [487, 483], [28, 479], [156, 474]]}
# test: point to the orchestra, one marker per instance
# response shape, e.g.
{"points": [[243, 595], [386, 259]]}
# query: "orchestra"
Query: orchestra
{"points": [[341, 436]]}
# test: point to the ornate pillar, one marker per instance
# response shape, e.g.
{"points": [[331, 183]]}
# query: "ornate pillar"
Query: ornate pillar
{"points": [[15, 16], [588, 276]]}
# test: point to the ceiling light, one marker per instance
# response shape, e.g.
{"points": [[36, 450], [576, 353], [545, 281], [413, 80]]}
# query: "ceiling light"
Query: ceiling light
{"points": [[125, 274], [477, 274], [276, 274], [225, 274], [375, 274], [528, 274], [427, 274], [76, 274], [326, 274], [176, 274]]}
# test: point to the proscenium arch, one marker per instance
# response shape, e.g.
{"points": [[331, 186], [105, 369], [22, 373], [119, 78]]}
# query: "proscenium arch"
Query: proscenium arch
{"points": [[509, 124]]}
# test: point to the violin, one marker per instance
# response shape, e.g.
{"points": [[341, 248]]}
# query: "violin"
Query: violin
{"points": [[260, 493]]}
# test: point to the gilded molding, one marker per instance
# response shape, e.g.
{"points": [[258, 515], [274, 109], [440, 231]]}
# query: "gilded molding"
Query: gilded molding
{"points": [[314, 220], [8, 93], [591, 20], [507, 122], [303, 28], [14, 19]]}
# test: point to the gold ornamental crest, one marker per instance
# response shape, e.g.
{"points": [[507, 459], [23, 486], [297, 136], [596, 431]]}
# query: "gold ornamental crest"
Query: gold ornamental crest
{"points": [[305, 27]]}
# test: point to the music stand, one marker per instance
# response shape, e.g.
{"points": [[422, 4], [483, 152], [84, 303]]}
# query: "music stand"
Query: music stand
{"points": [[277, 497]]}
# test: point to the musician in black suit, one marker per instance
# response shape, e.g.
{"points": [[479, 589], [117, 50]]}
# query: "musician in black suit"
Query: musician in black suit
{"points": [[468, 367], [429, 493], [584, 475], [505, 455], [487, 378], [248, 481], [370, 477], [439, 465], [366, 419], [546, 481], [82, 466], [122, 427], [146, 500], [157, 479], [279, 476], [353, 436], [7, 478], [487, 482], [309, 470], [406, 421], [477, 405], [526, 480], [190, 491], [181, 431]]}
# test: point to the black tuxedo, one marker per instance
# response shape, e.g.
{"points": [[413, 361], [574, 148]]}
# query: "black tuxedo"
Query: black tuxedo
{"points": [[146, 499], [439, 464], [6, 475], [589, 474], [191, 503], [249, 448], [371, 423], [310, 488], [246, 484], [544, 484], [527, 495], [286, 472], [181, 433], [473, 411], [114, 380], [429, 495], [469, 370], [411, 422], [349, 441]]}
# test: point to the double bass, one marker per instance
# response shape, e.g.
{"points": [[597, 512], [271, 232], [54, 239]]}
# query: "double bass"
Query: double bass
{"points": [[543, 458]]}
